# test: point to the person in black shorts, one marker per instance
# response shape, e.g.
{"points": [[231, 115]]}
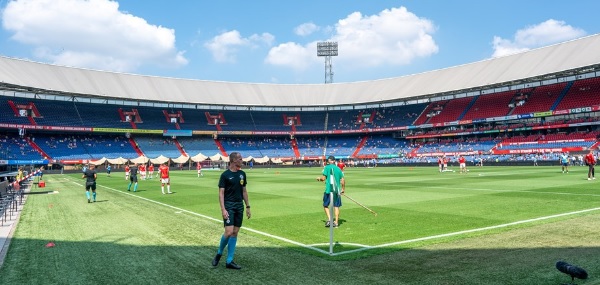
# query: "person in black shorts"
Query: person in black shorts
{"points": [[232, 197], [133, 171], [90, 176]]}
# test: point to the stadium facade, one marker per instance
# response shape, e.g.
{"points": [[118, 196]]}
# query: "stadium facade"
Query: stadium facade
{"points": [[540, 101]]}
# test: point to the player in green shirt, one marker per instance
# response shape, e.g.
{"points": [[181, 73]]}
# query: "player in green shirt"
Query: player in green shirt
{"points": [[338, 177]]}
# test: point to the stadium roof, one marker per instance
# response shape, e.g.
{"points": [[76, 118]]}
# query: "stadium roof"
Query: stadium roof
{"points": [[22, 75]]}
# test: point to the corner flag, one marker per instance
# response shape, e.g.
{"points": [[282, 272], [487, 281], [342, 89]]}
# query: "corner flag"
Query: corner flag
{"points": [[334, 188]]}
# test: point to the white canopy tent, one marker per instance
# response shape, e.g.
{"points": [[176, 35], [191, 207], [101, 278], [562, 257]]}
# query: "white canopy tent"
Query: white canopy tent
{"points": [[264, 159], [181, 159], [118, 160], [276, 160], [159, 160], [198, 157], [141, 159], [98, 162], [218, 156]]}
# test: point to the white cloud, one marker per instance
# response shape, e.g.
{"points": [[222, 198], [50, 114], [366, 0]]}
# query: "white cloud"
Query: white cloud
{"points": [[306, 29], [224, 47], [543, 34], [293, 55], [392, 37], [91, 34]]}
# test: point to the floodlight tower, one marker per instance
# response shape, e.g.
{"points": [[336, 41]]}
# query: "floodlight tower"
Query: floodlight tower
{"points": [[327, 49]]}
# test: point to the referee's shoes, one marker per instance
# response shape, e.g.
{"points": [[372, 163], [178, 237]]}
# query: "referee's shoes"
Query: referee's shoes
{"points": [[215, 260], [232, 265]]}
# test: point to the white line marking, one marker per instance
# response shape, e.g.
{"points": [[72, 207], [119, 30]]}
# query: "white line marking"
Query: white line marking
{"points": [[365, 247], [216, 220], [469, 231], [518, 191]]}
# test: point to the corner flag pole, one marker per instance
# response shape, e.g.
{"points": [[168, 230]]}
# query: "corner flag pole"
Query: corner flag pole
{"points": [[331, 210]]}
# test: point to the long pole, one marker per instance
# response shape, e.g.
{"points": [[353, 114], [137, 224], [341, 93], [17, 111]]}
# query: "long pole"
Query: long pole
{"points": [[331, 210], [365, 207]]}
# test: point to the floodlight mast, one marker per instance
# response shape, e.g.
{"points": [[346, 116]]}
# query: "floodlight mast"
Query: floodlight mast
{"points": [[327, 50]]}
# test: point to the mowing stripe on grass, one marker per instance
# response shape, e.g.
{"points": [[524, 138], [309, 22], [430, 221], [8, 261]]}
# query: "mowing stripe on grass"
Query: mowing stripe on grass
{"points": [[366, 247], [518, 191], [468, 231], [180, 210]]}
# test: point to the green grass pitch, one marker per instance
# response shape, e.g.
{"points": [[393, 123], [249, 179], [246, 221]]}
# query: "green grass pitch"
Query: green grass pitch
{"points": [[493, 225]]}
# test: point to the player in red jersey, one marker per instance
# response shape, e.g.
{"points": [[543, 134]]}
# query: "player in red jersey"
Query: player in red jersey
{"points": [[126, 171], [462, 162], [151, 170], [440, 164], [445, 163], [163, 171], [142, 170], [590, 161], [199, 168], [341, 165]]}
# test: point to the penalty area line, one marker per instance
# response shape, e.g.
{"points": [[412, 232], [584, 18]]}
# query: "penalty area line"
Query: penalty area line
{"points": [[216, 220]]}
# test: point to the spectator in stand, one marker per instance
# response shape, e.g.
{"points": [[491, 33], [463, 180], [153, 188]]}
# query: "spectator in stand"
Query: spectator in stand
{"points": [[590, 161]]}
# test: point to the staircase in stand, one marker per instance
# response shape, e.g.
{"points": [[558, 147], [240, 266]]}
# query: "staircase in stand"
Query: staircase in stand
{"points": [[136, 147], [178, 145], [38, 148], [32, 121], [221, 148], [413, 153], [595, 145], [359, 147], [295, 147]]}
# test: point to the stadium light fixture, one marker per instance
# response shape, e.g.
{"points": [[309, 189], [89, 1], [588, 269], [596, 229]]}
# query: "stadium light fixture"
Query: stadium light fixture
{"points": [[327, 50]]}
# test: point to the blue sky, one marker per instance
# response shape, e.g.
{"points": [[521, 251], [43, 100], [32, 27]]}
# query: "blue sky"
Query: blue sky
{"points": [[275, 41]]}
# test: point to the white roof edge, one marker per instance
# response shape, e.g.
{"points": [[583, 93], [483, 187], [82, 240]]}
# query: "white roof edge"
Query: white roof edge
{"points": [[564, 56]]}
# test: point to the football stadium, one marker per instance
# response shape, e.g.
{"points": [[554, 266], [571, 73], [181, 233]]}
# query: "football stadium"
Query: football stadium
{"points": [[476, 174]]}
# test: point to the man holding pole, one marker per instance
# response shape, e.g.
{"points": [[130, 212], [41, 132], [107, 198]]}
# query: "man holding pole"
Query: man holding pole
{"points": [[334, 178]]}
